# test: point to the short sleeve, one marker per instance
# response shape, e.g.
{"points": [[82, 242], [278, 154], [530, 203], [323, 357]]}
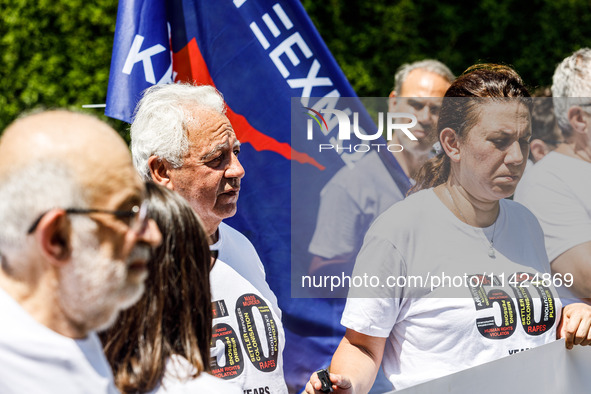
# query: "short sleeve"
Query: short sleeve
{"points": [[563, 217], [335, 233], [373, 308]]}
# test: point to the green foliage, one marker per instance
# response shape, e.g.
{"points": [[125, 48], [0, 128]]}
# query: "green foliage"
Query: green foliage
{"points": [[55, 54], [371, 39]]}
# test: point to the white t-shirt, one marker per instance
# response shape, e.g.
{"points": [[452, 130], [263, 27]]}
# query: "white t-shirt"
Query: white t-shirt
{"points": [[349, 203], [247, 337], [177, 380], [558, 191], [239, 253], [451, 327], [35, 359]]}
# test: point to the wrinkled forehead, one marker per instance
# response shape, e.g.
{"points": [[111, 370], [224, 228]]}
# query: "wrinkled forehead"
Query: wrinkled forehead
{"points": [[504, 115], [206, 125], [517, 108]]}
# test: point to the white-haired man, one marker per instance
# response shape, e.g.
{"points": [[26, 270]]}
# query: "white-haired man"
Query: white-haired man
{"points": [[558, 188], [182, 139], [74, 244]]}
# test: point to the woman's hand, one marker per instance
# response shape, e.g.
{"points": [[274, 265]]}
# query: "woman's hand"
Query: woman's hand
{"points": [[575, 325], [356, 363], [340, 384]]}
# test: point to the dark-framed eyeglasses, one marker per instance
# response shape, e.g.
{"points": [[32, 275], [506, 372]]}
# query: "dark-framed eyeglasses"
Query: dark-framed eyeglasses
{"points": [[138, 216]]}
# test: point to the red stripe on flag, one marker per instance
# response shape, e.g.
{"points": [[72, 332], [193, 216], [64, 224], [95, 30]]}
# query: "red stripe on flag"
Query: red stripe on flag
{"points": [[190, 66]]}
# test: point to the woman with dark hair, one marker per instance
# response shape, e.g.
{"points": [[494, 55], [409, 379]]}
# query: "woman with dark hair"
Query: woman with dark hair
{"points": [[161, 344], [461, 273]]}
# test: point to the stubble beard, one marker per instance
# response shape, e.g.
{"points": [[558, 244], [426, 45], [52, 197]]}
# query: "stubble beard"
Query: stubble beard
{"points": [[94, 287]]}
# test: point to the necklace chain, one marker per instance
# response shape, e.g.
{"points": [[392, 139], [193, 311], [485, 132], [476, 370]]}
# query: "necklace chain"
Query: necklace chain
{"points": [[491, 249]]}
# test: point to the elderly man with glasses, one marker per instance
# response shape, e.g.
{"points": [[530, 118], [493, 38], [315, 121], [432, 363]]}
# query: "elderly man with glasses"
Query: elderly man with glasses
{"points": [[74, 242], [558, 188]]}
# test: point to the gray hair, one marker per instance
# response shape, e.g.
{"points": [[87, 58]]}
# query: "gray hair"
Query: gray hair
{"points": [[161, 120], [28, 193], [572, 78], [430, 65]]}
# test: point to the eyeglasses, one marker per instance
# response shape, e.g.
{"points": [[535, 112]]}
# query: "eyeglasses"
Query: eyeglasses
{"points": [[137, 216]]}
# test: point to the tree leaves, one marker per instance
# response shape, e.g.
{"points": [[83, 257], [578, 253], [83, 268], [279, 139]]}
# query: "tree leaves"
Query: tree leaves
{"points": [[55, 54], [370, 40]]}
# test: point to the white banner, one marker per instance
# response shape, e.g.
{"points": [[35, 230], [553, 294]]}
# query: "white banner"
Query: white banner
{"points": [[546, 369]]}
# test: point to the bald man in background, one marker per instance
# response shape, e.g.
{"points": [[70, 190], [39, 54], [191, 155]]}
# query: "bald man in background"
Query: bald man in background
{"points": [[74, 242]]}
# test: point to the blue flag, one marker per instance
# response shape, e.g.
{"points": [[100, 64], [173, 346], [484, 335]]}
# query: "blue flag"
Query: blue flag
{"points": [[259, 54]]}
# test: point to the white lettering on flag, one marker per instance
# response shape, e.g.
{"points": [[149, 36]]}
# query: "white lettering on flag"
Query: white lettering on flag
{"points": [[134, 56], [259, 35], [282, 16], [271, 25], [285, 48], [310, 81]]}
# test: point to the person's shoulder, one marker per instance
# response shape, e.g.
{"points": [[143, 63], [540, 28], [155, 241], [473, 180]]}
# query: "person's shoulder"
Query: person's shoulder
{"points": [[357, 173], [221, 269], [231, 235], [518, 213], [553, 164], [208, 383], [539, 176], [408, 212], [240, 254], [413, 202], [26, 332], [178, 379], [228, 230]]}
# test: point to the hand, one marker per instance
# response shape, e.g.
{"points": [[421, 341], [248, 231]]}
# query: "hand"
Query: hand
{"points": [[340, 384], [575, 325]]}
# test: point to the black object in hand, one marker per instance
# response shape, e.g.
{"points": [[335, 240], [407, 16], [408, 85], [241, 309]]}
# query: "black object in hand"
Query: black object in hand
{"points": [[325, 381]]}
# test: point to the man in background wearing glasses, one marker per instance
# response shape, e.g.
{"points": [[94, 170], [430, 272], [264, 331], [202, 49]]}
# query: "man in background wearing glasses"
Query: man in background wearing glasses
{"points": [[74, 242], [557, 189]]}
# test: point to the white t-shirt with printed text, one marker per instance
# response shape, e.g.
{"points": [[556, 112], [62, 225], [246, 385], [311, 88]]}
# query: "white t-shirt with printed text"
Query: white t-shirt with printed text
{"points": [[178, 380], [247, 336], [447, 326]]}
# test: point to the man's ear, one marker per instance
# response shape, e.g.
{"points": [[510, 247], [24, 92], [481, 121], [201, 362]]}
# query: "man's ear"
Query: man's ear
{"points": [[450, 143], [538, 149], [53, 235], [159, 170], [577, 119], [392, 102]]}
